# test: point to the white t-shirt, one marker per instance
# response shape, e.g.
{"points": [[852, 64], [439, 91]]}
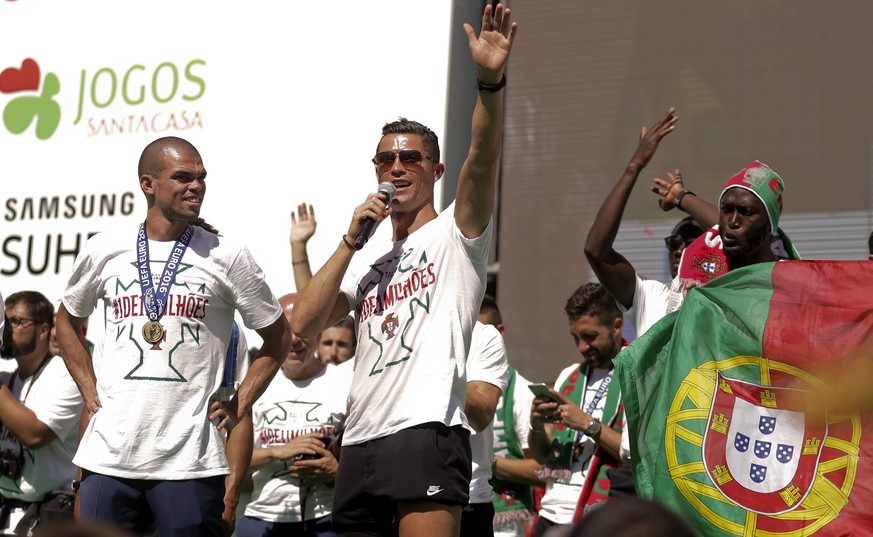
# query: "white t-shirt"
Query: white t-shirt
{"points": [[649, 304], [53, 396], [559, 501], [155, 398], [486, 363], [289, 409], [414, 309]]}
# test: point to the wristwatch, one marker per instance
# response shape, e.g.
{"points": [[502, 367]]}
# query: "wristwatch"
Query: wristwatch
{"points": [[593, 429]]}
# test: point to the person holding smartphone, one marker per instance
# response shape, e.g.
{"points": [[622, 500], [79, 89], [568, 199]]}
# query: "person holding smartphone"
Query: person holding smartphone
{"points": [[575, 429]]}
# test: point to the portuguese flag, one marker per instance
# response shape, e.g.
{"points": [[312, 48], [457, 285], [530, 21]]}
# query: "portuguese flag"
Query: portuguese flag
{"points": [[724, 403]]}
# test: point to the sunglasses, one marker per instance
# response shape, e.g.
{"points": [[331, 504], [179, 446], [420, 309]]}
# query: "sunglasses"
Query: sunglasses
{"points": [[673, 242], [385, 159]]}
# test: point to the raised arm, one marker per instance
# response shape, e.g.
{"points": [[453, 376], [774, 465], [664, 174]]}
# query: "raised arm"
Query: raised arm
{"points": [[474, 199], [321, 303], [77, 357], [303, 226], [673, 194], [612, 269]]}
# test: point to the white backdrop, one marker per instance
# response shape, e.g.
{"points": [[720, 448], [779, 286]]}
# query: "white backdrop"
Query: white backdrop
{"points": [[285, 102]]}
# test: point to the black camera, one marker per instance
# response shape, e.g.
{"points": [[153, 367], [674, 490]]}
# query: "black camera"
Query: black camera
{"points": [[11, 463]]}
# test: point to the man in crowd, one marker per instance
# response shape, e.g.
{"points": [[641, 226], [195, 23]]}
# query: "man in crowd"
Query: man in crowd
{"points": [[487, 378], [39, 411], [416, 305], [297, 424], [576, 432], [149, 439], [644, 301], [747, 223], [515, 470]]}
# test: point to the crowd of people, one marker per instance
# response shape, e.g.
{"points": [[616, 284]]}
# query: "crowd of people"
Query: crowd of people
{"points": [[381, 401]]}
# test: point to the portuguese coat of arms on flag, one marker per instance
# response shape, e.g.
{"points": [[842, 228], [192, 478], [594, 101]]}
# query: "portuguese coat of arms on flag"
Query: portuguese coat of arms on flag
{"points": [[724, 403]]}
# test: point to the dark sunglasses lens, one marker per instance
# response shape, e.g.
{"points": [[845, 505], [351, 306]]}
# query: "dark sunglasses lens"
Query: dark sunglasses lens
{"points": [[673, 242], [410, 155], [384, 158]]}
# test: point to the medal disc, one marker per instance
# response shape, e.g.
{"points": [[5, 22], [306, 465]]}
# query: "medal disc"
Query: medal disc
{"points": [[152, 332]]}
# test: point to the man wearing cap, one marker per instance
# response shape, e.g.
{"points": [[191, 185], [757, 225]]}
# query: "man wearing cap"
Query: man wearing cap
{"points": [[747, 231]]}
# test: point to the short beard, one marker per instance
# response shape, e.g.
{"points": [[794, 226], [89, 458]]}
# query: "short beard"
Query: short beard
{"points": [[10, 350]]}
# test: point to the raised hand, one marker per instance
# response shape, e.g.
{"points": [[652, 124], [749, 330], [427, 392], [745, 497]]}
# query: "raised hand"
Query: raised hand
{"points": [[650, 138], [668, 190], [490, 49], [303, 224]]}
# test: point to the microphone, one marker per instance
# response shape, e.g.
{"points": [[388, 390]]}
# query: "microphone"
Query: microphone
{"points": [[387, 189]]}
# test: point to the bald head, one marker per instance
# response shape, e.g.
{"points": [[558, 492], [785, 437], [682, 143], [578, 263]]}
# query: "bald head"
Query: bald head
{"points": [[287, 303], [152, 160]]}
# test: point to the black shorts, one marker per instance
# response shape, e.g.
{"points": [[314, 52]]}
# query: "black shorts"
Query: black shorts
{"points": [[429, 462], [477, 520]]}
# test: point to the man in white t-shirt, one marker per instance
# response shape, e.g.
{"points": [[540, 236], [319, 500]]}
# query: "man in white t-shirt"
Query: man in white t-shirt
{"points": [[644, 301], [170, 290], [487, 378], [294, 462], [576, 432], [406, 455], [39, 417], [514, 470]]}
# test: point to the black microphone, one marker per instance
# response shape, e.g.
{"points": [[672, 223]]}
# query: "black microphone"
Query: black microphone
{"points": [[387, 189]]}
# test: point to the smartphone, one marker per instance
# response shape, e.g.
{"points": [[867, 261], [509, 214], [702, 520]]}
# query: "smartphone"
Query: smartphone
{"points": [[541, 390]]}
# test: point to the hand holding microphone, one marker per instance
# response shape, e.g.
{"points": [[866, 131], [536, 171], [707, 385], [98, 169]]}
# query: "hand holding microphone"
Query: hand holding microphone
{"points": [[386, 189]]}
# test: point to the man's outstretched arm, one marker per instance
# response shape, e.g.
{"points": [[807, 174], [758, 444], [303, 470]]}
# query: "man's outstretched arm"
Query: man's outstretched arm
{"points": [[612, 269], [474, 199]]}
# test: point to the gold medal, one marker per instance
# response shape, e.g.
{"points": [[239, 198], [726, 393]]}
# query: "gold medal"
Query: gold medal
{"points": [[152, 332]]}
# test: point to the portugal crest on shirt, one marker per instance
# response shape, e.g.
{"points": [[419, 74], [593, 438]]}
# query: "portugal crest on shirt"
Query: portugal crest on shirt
{"points": [[760, 448]]}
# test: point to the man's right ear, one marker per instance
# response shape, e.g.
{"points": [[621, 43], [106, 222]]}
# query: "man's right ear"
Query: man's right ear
{"points": [[146, 183]]}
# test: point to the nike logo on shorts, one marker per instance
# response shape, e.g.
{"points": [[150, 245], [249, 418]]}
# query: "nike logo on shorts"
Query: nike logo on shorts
{"points": [[434, 489]]}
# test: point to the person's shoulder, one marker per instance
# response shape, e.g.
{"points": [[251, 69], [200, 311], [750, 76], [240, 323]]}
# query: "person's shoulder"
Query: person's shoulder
{"points": [[122, 237], [56, 368], [216, 244], [484, 331], [566, 372]]}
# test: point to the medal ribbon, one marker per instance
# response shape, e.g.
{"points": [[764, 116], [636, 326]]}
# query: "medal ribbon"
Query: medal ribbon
{"points": [[601, 391], [155, 301]]}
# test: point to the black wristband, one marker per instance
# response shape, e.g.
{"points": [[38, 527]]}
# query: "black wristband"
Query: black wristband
{"points": [[350, 245], [491, 88], [681, 195]]}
